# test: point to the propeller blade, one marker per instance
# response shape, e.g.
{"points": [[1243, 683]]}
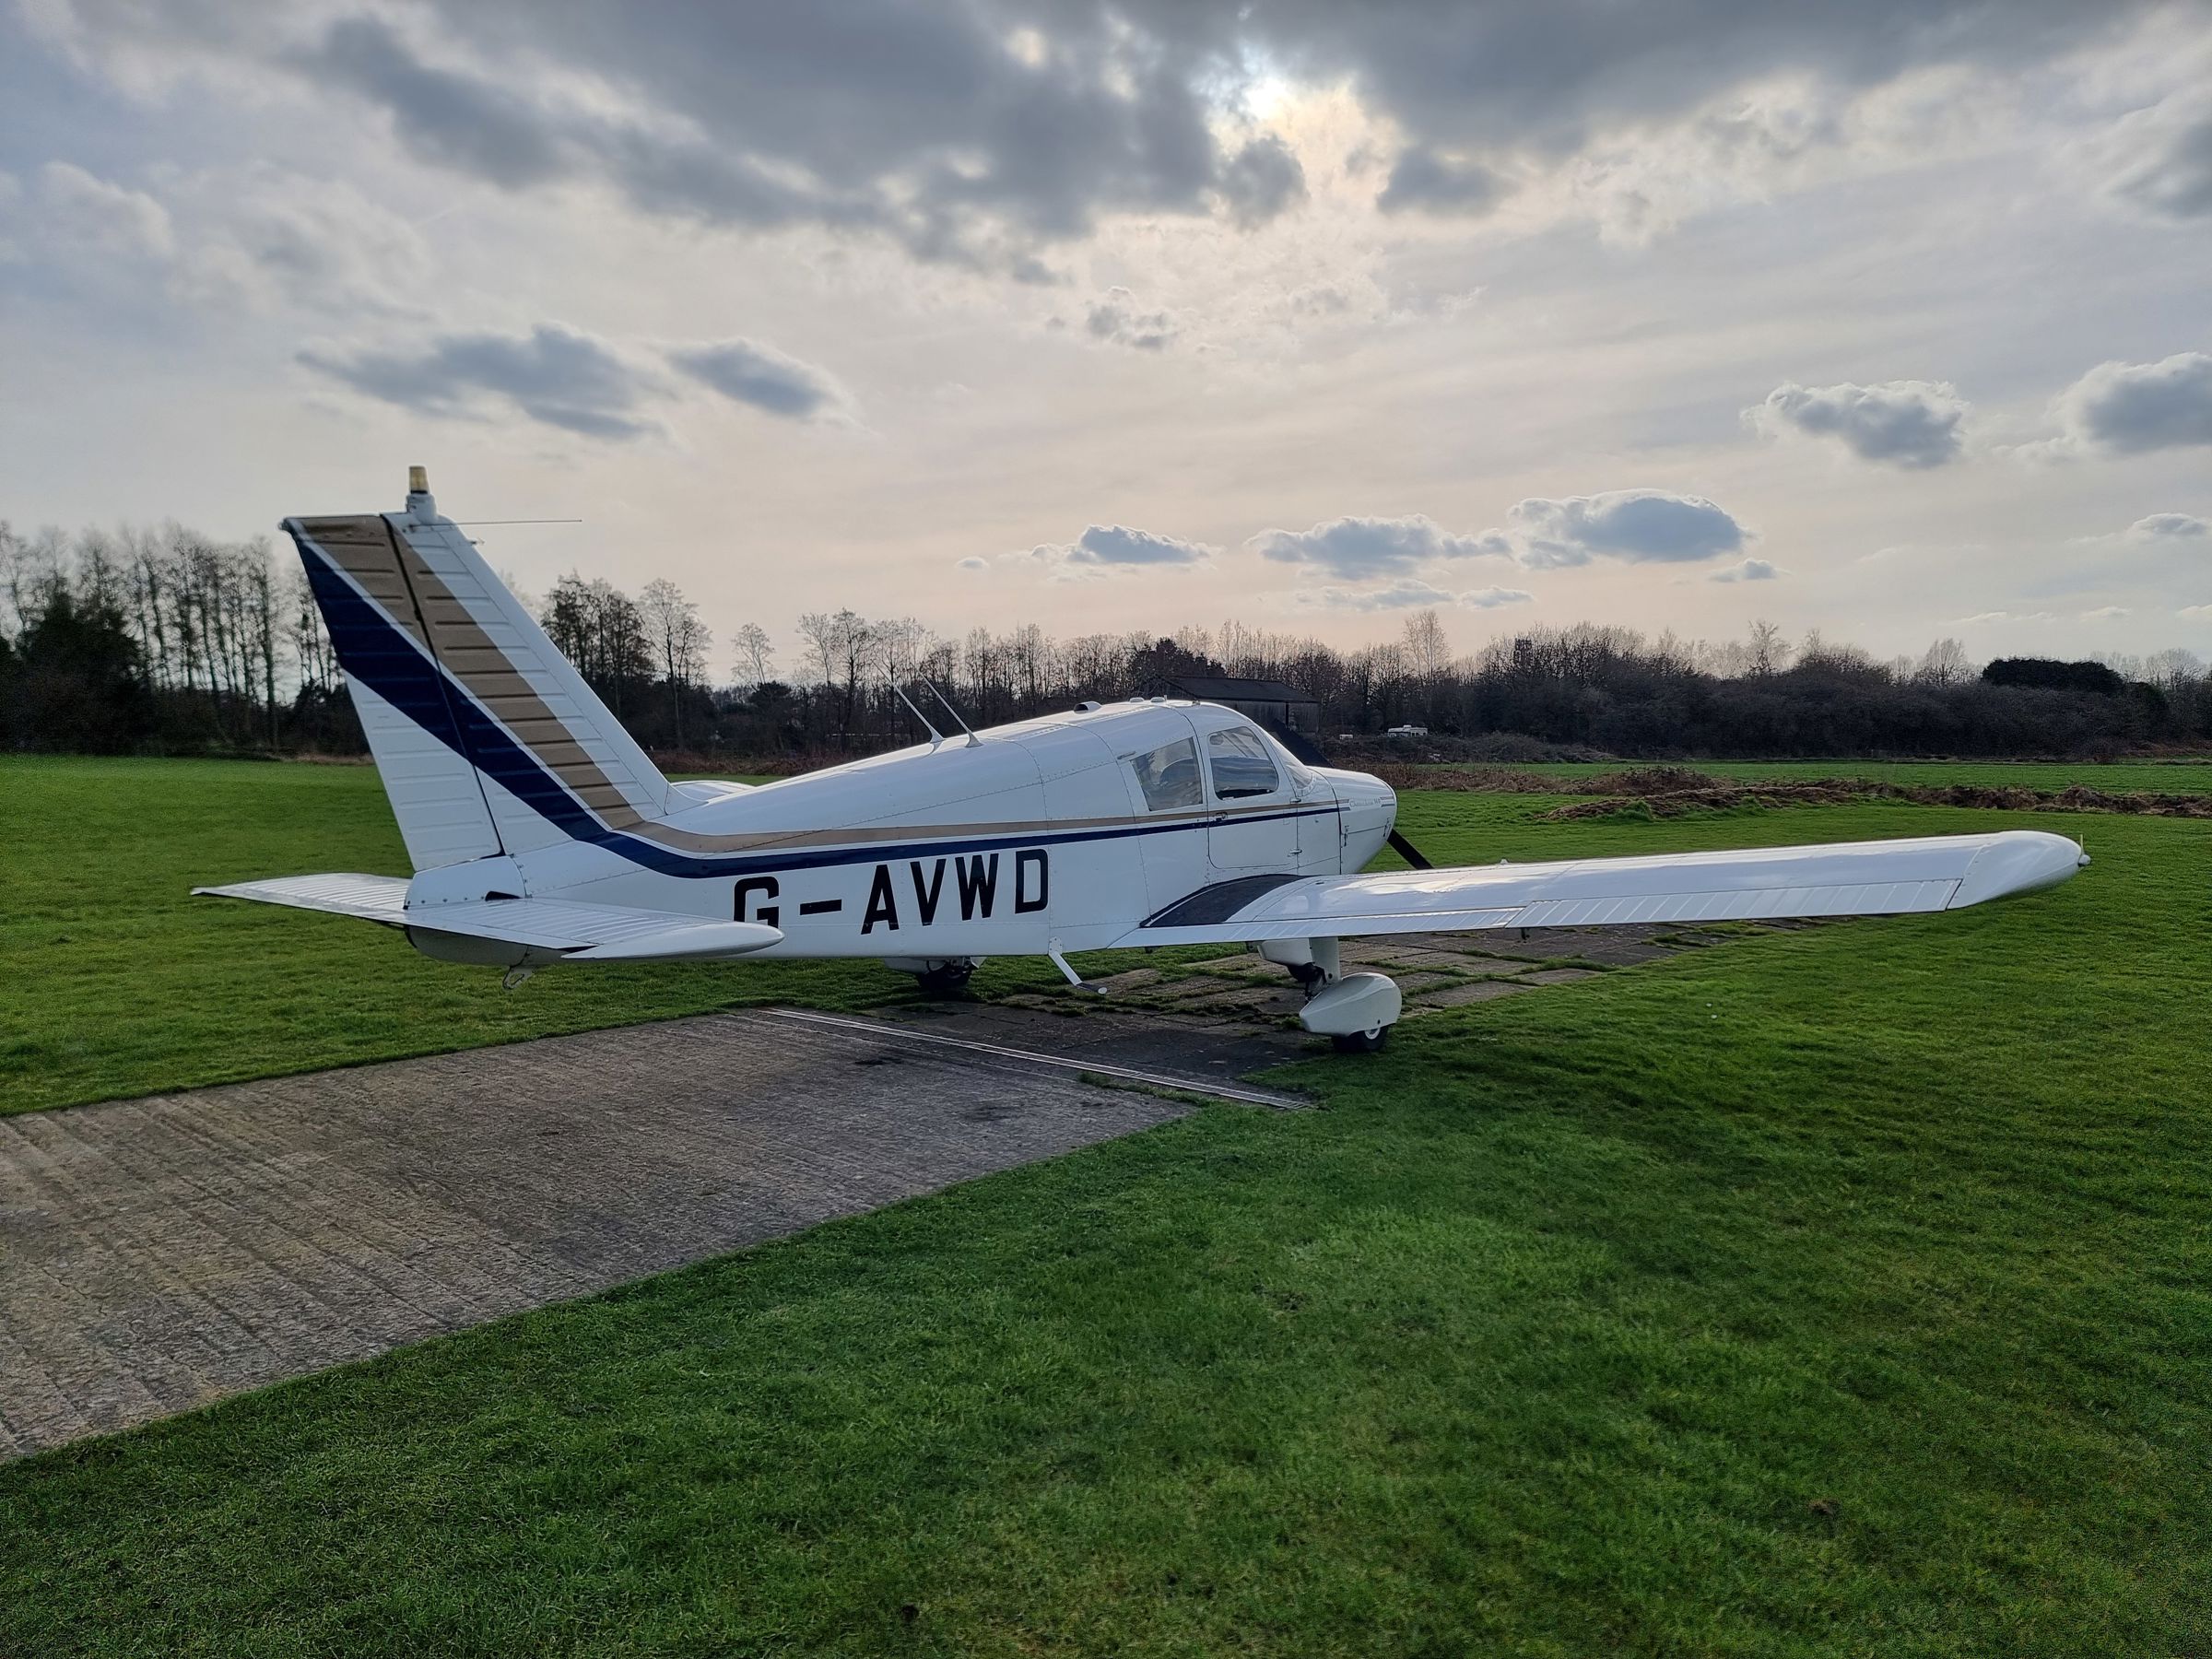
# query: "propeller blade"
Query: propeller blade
{"points": [[1409, 852]]}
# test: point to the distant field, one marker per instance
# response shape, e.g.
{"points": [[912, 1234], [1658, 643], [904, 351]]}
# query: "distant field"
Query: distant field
{"points": [[1835, 1292], [2163, 777]]}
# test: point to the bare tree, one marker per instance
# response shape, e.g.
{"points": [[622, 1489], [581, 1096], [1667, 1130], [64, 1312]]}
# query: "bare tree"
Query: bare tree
{"points": [[1946, 664], [1769, 651], [754, 656], [845, 645], [678, 639]]}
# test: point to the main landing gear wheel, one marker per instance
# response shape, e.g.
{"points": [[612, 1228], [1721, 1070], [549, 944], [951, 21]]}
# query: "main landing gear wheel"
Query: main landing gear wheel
{"points": [[944, 980], [1359, 1043]]}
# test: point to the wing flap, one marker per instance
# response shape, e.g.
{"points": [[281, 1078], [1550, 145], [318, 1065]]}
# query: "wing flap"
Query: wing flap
{"points": [[1854, 878]]}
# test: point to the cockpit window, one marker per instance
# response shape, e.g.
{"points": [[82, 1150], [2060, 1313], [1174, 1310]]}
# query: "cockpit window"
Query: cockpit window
{"points": [[1242, 764], [1169, 775]]}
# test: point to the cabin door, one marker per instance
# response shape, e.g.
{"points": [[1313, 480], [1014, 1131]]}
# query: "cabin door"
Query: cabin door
{"points": [[1252, 822]]}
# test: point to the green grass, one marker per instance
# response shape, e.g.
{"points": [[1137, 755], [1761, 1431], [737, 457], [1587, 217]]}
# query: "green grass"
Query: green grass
{"points": [[2162, 777], [1835, 1292], [120, 982]]}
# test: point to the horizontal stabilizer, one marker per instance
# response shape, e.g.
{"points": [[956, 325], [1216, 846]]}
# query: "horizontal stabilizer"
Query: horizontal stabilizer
{"points": [[1853, 878], [371, 898], [593, 933]]}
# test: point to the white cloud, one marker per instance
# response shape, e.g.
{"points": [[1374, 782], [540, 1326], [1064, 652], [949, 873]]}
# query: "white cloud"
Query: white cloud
{"points": [[103, 218], [2130, 409], [1906, 423], [1261, 181], [1118, 545], [973, 563], [1638, 525], [748, 372], [2159, 159], [1421, 180], [1357, 547], [556, 375], [2106, 613], [269, 237], [2170, 526], [1117, 321], [1103, 548], [933, 133], [578, 382], [1751, 569], [973, 134]]}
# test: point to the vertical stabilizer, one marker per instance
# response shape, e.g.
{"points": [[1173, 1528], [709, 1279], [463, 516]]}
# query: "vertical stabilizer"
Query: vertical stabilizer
{"points": [[487, 740]]}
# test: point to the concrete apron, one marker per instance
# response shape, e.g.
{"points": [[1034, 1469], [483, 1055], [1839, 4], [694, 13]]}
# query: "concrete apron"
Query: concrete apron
{"points": [[158, 1254]]}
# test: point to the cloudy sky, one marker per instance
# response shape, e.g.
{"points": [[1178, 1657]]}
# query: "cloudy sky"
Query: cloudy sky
{"points": [[1893, 318]]}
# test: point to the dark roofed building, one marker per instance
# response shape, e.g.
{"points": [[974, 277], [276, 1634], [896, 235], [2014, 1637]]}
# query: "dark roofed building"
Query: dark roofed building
{"points": [[1271, 702]]}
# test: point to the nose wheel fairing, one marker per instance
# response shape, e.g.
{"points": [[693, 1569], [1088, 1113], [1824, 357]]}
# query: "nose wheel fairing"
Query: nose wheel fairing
{"points": [[1359, 1006]]}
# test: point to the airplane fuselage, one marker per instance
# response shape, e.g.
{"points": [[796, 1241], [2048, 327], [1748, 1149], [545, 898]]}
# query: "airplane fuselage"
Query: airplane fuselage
{"points": [[1034, 838]]}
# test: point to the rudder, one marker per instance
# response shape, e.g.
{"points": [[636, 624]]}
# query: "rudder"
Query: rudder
{"points": [[487, 740]]}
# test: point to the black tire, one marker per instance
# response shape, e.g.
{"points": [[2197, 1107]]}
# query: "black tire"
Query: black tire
{"points": [[945, 982], [1359, 1043]]}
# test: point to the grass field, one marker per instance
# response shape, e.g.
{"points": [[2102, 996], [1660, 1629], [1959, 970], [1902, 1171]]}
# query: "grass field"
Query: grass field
{"points": [[121, 982], [1835, 1292], [2162, 777]]}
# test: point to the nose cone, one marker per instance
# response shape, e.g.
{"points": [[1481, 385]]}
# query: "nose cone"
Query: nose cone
{"points": [[2017, 861]]}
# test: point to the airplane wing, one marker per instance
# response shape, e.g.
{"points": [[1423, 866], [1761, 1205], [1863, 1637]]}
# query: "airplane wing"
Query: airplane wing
{"points": [[583, 933], [1856, 879]]}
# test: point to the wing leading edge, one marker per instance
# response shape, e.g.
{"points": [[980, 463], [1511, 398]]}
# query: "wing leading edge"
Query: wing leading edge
{"points": [[1853, 878]]}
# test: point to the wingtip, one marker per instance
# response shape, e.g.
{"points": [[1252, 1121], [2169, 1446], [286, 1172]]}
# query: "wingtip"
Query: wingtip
{"points": [[2017, 861]]}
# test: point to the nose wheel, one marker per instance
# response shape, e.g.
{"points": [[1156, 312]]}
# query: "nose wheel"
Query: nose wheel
{"points": [[1354, 1011]]}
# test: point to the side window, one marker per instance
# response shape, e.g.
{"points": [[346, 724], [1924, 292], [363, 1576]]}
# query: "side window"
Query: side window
{"points": [[1242, 764], [1169, 775]]}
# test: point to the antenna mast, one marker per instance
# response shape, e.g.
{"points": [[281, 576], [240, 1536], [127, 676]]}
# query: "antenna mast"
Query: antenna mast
{"points": [[973, 739], [936, 737]]}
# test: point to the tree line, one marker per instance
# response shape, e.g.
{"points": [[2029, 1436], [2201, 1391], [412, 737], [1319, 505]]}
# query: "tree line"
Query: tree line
{"points": [[164, 640]]}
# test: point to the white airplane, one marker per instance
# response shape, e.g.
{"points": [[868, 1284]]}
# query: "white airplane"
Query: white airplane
{"points": [[540, 833]]}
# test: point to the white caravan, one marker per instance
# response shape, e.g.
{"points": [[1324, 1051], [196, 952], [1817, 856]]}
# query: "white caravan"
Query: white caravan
{"points": [[540, 832]]}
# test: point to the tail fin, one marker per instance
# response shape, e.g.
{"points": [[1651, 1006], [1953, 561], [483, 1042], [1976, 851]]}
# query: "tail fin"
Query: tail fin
{"points": [[487, 740]]}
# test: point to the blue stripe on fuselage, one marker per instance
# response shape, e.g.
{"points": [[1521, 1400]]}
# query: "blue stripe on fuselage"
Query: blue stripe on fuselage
{"points": [[382, 656]]}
